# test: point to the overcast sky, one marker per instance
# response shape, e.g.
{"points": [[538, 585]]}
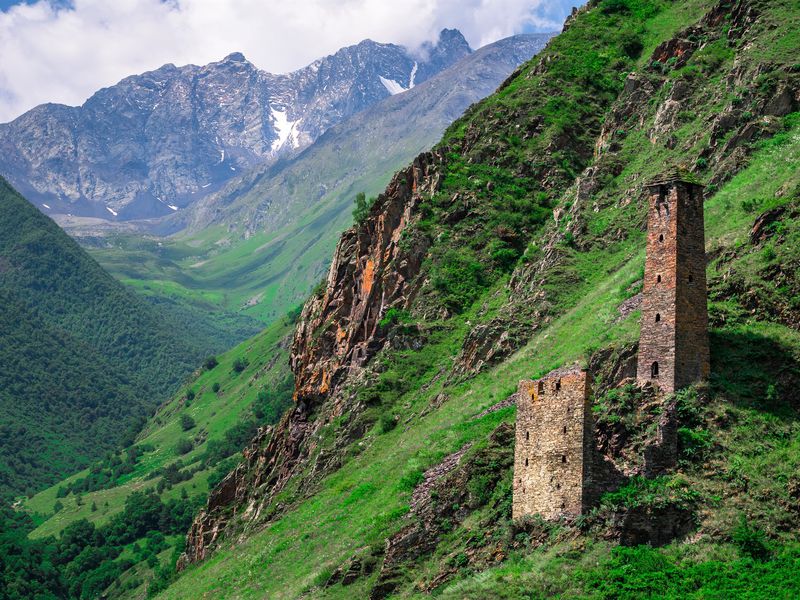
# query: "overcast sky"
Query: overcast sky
{"points": [[64, 50]]}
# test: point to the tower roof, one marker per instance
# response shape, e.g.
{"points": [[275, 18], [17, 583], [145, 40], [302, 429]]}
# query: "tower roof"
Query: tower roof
{"points": [[674, 174]]}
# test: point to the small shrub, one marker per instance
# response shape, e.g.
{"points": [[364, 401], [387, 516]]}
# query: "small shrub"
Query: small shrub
{"points": [[190, 396], [240, 364], [751, 541], [210, 363], [693, 443], [387, 422], [632, 45], [215, 387], [611, 7], [411, 480], [394, 316], [183, 446], [459, 279], [187, 422], [362, 207]]}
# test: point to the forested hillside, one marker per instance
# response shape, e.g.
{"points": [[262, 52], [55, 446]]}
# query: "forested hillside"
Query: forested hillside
{"points": [[122, 520], [83, 360]]}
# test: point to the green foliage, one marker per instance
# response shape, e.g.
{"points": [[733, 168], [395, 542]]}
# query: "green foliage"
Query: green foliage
{"points": [[82, 359], [187, 422], [271, 402], [84, 560], [387, 422], [751, 541], [362, 207], [184, 446], [658, 492], [459, 278], [240, 364], [210, 363]]}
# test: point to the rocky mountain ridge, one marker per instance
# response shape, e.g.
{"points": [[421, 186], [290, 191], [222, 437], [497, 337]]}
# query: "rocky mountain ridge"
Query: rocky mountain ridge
{"points": [[157, 142]]}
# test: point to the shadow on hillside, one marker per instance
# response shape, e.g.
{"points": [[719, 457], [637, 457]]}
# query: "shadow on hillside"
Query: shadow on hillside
{"points": [[757, 371]]}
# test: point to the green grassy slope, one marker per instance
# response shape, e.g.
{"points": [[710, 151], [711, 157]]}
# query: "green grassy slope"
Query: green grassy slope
{"points": [[82, 359], [364, 502], [221, 423], [740, 434]]}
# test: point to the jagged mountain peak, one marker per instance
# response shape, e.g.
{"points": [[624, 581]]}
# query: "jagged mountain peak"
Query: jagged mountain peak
{"points": [[156, 142], [236, 57]]}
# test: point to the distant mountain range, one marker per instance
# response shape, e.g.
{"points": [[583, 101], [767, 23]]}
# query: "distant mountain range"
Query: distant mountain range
{"points": [[157, 142], [263, 240]]}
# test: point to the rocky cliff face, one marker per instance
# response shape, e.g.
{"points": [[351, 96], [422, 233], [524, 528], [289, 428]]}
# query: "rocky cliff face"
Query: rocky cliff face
{"points": [[157, 142], [375, 269], [372, 272]]}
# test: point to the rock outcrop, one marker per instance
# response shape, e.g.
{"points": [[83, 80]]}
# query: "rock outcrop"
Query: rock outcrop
{"points": [[374, 269]]}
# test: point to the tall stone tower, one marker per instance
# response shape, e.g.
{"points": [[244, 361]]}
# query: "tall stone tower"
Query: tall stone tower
{"points": [[553, 444], [673, 347]]}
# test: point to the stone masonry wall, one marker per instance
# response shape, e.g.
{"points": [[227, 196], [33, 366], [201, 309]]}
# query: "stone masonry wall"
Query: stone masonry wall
{"points": [[673, 347], [553, 445]]}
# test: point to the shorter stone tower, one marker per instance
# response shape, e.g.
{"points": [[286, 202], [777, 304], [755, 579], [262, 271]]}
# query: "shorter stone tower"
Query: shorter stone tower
{"points": [[673, 347], [553, 442]]}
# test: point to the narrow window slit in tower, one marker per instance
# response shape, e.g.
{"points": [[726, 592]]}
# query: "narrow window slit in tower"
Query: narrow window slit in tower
{"points": [[565, 429], [658, 279], [654, 370], [558, 385], [658, 317], [526, 462], [661, 238], [563, 458]]}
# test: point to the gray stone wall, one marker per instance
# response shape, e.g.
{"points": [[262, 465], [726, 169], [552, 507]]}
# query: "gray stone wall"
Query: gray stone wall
{"points": [[553, 442]]}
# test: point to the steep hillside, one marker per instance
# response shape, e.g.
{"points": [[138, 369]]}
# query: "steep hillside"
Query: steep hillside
{"points": [[514, 247], [265, 240], [83, 359], [157, 142], [161, 478]]}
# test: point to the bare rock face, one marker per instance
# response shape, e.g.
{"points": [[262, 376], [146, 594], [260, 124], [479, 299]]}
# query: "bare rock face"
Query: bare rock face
{"points": [[374, 269], [157, 142]]}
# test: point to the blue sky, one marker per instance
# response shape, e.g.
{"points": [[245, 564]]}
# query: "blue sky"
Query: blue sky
{"points": [[64, 50]]}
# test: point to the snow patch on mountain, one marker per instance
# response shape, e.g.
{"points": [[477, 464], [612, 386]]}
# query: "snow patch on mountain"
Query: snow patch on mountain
{"points": [[413, 75], [284, 128], [392, 86]]}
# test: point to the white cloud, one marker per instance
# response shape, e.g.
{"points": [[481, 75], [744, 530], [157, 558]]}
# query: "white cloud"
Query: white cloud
{"points": [[56, 51]]}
